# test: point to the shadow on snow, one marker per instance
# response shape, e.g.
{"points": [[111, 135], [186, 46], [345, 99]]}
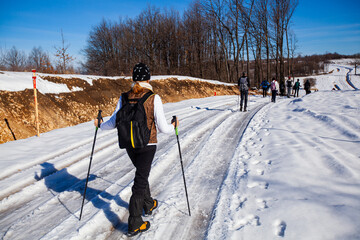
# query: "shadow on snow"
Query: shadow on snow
{"points": [[63, 181]]}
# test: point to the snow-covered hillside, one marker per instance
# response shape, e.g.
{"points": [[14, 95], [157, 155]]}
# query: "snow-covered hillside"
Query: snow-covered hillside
{"points": [[338, 70], [288, 170]]}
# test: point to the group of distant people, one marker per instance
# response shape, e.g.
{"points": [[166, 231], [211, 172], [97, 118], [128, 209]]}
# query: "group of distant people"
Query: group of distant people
{"points": [[290, 88]]}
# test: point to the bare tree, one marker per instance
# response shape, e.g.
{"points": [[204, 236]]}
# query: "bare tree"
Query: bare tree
{"points": [[291, 50], [15, 60], [282, 11], [211, 39], [2, 59], [40, 60], [64, 58]]}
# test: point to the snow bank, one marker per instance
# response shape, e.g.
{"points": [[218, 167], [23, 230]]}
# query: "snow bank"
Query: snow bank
{"points": [[19, 81]]}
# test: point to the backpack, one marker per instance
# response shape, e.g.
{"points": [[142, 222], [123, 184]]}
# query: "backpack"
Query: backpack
{"points": [[289, 83], [243, 84], [273, 86], [264, 84], [131, 122]]}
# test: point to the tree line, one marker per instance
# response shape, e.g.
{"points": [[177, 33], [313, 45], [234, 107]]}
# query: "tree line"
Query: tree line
{"points": [[214, 39], [17, 60]]}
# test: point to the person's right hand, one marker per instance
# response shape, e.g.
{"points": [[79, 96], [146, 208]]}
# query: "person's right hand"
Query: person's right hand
{"points": [[96, 121], [173, 122]]}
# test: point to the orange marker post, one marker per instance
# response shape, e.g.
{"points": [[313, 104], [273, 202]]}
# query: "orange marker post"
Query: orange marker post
{"points": [[36, 104]]}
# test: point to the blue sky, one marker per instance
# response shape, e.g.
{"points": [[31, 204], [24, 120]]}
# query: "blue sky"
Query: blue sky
{"points": [[320, 26]]}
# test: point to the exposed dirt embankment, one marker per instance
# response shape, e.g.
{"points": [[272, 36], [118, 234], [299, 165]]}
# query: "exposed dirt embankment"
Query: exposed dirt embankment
{"points": [[68, 109]]}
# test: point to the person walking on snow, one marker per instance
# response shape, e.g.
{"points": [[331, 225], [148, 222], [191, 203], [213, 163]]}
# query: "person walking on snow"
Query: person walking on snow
{"points": [[142, 158], [274, 89], [282, 88], [265, 87], [297, 88], [307, 86], [288, 87], [244, 84]]}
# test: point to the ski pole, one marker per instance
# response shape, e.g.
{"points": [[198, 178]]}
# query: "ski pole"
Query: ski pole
{"points": [[182, 167], [92, 152]]}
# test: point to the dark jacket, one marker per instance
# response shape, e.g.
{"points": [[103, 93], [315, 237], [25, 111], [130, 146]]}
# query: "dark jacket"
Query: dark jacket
{"points": [[265, 84], [244, 83]]}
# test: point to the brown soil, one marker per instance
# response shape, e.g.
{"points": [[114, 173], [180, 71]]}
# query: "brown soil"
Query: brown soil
{"points": [[68, 109]]}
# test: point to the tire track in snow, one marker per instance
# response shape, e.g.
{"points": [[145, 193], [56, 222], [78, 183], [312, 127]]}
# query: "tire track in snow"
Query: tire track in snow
{"points": [[168, 160], [18, 181], [35, 209], [225, 134], [241, 209], [42, 197], [48, 157]]}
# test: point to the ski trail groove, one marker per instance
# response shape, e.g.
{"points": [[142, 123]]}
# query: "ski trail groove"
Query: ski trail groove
{"points": [[17, 169], [201, 127], [194, 155]]}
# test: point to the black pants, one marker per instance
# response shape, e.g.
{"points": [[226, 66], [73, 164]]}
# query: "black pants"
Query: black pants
{"points": [[273, 96], [296, 94], [244, 98], [264, 92], [141, 198]]}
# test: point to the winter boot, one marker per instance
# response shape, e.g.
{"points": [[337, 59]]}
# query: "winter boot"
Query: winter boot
{"points": [[240, 108], [148, 211], [135, 222], [144, 227]]}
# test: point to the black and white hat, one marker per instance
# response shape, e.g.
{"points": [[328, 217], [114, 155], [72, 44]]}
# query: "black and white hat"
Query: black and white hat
{"points": [[141, 72]]}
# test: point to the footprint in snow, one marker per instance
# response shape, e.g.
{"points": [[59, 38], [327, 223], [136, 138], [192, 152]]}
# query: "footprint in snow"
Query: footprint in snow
{"points": [[237, 202], [255, 162], [256, 154], [261, 203], [263, 185], [248, 220], [260, 171], [279, 228]]}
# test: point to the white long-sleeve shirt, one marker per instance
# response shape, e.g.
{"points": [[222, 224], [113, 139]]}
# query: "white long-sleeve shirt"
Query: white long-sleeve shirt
{"points": [[159, 115]]}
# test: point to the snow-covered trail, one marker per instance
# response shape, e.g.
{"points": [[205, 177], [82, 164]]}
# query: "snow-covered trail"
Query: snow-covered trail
{"points": [[42, 199], [293, 173]]}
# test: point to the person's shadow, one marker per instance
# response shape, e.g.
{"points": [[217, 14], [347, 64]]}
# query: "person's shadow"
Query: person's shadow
{"points": [[63, 181]]}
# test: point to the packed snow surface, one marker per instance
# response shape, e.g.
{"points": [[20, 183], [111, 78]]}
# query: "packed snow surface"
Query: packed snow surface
{"points": [[284, 170]]}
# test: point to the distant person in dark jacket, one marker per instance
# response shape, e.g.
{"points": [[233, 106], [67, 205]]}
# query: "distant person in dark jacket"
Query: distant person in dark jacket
{"points": [[265, 87], [288, 87], [297, 88], [282, 88], [307, 86], [244, 85]]}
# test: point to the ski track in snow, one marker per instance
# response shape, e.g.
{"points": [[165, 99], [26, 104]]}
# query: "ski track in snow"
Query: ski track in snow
{"points": [[244, 174], [57, 181]]}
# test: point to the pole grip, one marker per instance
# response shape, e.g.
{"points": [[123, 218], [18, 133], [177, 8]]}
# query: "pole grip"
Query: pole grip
{"points": [[99, 118], [174, 120]]}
